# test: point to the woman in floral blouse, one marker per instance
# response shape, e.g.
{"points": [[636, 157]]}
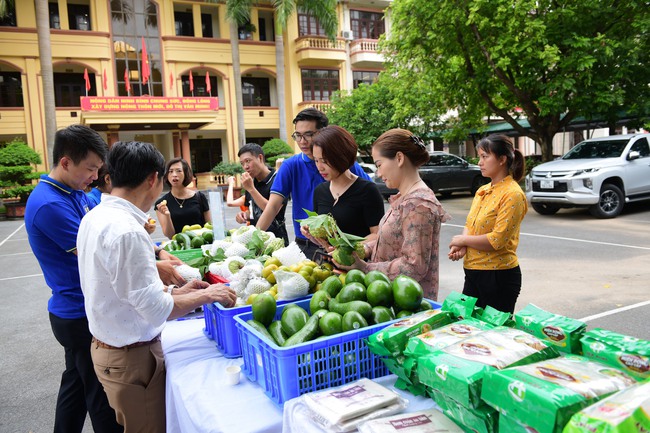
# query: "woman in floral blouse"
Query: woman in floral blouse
{"points": [[491, 234], [409, 232]]}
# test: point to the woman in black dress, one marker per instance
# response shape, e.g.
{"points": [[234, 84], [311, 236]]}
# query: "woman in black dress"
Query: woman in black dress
{"points": [[355, 203]]}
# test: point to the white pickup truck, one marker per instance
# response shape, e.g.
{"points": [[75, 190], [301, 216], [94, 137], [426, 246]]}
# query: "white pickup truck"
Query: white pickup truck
{"points": [[601, 173]]}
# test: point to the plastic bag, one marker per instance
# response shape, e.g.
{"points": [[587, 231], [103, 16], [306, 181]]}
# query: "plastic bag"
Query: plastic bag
{"points": [[291, 285]]}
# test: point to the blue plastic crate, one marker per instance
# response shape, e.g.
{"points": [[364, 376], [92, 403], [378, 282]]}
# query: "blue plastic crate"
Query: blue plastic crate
{"points": [[220, 326], [285, 373]]}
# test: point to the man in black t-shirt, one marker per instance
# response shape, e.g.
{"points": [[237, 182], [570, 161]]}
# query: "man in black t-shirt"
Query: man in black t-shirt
{"points": [[257, 180]]}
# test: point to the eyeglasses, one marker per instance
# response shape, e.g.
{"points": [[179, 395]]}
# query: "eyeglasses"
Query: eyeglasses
{"points": [[307, 136]]}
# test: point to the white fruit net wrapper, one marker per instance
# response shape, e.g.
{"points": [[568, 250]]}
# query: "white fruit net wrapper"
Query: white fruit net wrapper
{"points": [[427, 421], [343, 408], [290, 255], [291, 285]]}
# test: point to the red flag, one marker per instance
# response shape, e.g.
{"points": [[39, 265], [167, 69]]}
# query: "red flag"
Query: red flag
{"points": [[145, 64], [87, 79], [126, 81], [105, 80], [191, 82], [171, 80], [207, 83]]}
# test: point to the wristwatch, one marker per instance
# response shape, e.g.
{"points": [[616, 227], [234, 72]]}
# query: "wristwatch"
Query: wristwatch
{"points": [[171, 287]]}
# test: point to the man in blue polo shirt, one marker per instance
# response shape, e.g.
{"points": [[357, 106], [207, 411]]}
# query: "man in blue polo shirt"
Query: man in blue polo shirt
{"points": [[298, 177], [52, 216]]}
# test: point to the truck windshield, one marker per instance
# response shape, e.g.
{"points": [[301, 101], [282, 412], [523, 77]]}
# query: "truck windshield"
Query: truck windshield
{"points": [[597, 149]]}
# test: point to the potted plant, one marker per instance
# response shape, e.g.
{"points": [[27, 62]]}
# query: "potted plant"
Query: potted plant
{"points": [[223, 170], [17, 173]]}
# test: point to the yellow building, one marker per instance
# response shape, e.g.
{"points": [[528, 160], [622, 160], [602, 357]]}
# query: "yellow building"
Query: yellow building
{"points": [[106, 39]]}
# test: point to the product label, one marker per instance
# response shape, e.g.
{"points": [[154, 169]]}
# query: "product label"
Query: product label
{"points": [[635, 363], [554, 333], [413, 421], [349, 392], [441, 371], [556, 374], [476, 349]]}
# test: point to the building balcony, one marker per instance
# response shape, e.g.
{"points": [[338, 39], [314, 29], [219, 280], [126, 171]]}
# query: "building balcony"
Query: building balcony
{"points": [[363, 53], [256, 118], [12, 121], [319, 105], [310, 48]]}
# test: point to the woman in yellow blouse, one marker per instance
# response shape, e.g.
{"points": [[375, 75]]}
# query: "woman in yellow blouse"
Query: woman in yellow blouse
{"points": [[491, 234]]}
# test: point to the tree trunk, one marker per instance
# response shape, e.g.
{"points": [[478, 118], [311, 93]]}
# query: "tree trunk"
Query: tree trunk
{"points": [[236, 67], [45, 57], [546, 145], [280, 83]]}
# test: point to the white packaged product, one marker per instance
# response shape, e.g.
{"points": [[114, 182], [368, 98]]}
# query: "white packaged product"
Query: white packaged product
{"points": [[428, 421]]}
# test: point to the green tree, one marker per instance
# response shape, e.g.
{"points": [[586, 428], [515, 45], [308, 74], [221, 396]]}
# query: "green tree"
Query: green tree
{"points": [[366, 112], [276, 148], [551, 61], [17, 162]]}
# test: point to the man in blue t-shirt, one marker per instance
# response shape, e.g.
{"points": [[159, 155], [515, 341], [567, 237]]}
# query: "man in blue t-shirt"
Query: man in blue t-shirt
{"points": [[52, 216], [298, 177]]}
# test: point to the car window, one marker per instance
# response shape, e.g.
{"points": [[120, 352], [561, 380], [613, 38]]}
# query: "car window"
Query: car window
{"points": [[597, 149], [450, 160], [434, 160], [642, 147]]}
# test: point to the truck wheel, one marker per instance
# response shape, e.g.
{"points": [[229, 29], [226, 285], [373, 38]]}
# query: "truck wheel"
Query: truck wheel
{"points": [[545, 208], [610, 203]]}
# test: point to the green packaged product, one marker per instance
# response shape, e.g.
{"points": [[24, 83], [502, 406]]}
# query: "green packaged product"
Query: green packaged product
{"points": [[623, 412], [391, 341], [511, 425], [483, 419], [444, 336], [493, 316], [563, 332], [630, 354], [545, 395], [459, 305], [458, 370]]}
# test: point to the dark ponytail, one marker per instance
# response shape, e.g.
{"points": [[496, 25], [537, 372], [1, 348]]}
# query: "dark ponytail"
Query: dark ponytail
{"points": [[500, 145]]}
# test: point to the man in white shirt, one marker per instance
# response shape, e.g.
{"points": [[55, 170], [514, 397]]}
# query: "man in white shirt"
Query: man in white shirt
{"points": [[125, 300]]}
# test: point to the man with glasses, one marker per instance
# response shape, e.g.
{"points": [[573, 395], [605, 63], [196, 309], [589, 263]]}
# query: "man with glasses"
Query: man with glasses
{"points": [[298, 177]]}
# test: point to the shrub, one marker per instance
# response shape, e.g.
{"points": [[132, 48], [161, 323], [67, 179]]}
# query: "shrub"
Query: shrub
{"points": [[275, 147], [228, 168], [17, 171]]}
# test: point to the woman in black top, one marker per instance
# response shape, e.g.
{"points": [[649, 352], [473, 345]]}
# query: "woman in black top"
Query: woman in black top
{"points": [[355, 203], [181, 206]]}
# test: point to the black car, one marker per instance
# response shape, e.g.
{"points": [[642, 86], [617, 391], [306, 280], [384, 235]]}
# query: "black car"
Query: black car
{"points": [[444, 173]]}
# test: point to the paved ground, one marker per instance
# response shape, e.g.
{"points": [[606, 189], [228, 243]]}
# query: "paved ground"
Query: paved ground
{"points": [[572, 264]]}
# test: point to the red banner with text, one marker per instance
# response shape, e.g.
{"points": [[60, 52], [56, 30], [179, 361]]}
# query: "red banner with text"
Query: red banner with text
{"points": [[146, 103]]}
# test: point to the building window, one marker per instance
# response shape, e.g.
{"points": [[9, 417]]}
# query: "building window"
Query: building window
{"points": [[11, 89], [9, 19], [55, 21], [256, 92], [200, 86], [205, 153], [367, 25], [319, 84], [308, 25], [246, 31], [70, 87], [132, 20], [365, 77], [210, 21], [79, 16], [184, 23]]}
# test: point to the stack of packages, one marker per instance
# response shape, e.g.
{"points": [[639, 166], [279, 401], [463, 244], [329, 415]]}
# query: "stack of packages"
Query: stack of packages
{"points": [[543, 396], [427, 421], [342, 409]]}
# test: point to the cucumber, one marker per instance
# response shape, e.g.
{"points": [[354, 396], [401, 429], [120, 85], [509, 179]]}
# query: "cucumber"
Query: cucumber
{"points": [[361, 307], [191, 234], [184, 241], [275, 329], [307, 332], [261, 329]]}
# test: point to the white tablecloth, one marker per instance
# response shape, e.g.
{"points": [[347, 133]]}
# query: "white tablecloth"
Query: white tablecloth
{"points": [[198, 400]]}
